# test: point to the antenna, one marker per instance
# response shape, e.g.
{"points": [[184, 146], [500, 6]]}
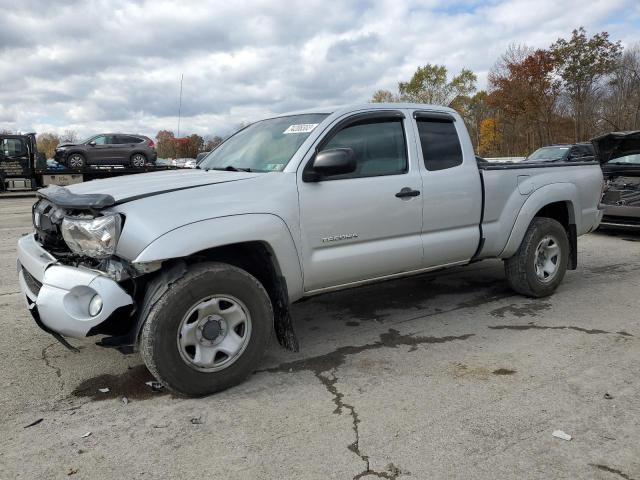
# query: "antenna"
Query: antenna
{"points": [[180, 105]]}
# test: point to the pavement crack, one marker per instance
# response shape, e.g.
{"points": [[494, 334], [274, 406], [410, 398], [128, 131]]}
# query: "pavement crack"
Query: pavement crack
{"points": [[606, 468], [9, 293], [329, 383], [533, 326], [331, 361]]}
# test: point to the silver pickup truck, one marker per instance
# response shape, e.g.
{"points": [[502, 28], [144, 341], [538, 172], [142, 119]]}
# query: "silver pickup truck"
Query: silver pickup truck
{"points": [[197, 269]]}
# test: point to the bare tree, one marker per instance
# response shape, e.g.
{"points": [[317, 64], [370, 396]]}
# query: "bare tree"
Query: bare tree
{"points": [[621, 105], [69, 136]]}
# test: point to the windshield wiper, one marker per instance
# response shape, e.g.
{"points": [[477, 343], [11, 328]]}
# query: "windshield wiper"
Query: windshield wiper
{"points": [[231, 168]]}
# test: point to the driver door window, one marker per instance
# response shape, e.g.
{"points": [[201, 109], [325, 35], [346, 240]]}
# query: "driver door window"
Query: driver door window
{"points": [[379, 148]]}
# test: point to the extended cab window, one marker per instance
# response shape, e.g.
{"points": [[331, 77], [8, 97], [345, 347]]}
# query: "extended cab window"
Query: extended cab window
{"points": [[440, 144], [379, 147]]}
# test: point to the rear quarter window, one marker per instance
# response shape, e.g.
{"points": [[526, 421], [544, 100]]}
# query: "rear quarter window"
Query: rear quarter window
{"points": [[128, 139], [440, 144]]}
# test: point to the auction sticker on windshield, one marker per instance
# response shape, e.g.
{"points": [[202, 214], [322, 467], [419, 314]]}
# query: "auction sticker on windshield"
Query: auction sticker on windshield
{"points": [[301, 128]]}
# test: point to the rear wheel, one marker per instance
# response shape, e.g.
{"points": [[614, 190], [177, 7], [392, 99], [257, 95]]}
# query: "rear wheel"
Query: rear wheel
{"points": [[208, 331], [76, 160], [539, 265], [138, 160]]}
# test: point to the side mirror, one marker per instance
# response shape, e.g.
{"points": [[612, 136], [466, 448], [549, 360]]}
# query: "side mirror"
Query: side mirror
{"points": [[92, 143], [336, 161]]}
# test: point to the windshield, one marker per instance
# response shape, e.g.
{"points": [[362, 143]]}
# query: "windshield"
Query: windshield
{"points": [[265, 146], [626, 160], [85, 141], [548, 154]]}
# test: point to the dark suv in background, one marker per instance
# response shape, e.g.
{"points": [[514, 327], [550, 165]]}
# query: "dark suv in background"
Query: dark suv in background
{"points": [[108, 149]]}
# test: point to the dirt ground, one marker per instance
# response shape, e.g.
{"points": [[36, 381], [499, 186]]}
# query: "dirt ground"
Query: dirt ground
{"points": [[446, 375]]}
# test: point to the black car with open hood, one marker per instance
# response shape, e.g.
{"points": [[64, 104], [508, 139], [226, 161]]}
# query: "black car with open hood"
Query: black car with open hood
{"points": [[619, 154]]}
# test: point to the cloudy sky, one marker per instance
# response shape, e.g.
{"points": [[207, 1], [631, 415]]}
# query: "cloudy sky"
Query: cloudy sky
{"points": [[95, 66]]}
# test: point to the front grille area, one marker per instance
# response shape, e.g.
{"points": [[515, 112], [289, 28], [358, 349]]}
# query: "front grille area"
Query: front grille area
{"points": [[47, 219], [33, 284]]}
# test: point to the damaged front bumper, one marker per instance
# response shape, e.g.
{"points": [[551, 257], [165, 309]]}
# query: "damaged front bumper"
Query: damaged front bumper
{"points": [[58, 296]]}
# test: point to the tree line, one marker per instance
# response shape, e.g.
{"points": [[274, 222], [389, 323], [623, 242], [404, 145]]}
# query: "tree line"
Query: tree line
{"points": [[574, 90]]}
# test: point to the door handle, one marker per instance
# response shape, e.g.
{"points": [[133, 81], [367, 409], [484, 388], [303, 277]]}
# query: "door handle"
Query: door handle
{"points": [[407, 192]]}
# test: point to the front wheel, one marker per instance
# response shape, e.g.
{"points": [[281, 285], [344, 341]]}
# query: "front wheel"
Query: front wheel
{"points": [[76, 160], [539, 265], [208, 331]]}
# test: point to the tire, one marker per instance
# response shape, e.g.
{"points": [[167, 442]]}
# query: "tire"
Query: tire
{"points": [[161, 339], [138, 160], [528, 271], [76, 160]]}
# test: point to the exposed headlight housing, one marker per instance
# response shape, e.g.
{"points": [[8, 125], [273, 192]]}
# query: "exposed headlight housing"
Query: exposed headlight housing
{"points": [[93, 237]]}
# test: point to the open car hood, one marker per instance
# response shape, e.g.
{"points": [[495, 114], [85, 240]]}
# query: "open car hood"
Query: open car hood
{"points": [[615, 145]]}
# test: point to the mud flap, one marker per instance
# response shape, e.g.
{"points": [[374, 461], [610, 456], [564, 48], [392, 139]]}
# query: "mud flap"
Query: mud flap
{"points": [[573, 247], [282, 318]]}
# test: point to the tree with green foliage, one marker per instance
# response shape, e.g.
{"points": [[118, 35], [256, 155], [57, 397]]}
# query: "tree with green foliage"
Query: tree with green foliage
{"points": [[429, 84], [383, 96], [583, 64], [165, 144]]}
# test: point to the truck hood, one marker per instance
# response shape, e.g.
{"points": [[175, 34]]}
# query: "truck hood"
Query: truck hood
{"points": [[98, 194], [615, 145]]}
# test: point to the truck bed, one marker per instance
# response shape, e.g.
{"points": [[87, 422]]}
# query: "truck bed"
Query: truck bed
{"points": [[507, 186]]}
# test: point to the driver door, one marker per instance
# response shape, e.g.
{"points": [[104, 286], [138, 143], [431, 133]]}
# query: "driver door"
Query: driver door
{"points": [[363, 225], [98, 151]]}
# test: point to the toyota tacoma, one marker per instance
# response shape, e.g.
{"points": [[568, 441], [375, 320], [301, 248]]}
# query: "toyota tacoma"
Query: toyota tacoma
{"points": [[197, 269]]}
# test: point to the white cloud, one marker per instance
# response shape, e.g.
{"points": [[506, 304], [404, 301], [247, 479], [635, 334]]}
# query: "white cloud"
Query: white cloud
{"points": [[116, 65]]}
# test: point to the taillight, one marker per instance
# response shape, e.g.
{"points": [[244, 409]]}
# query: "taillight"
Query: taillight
{"points": [[150, 144]]}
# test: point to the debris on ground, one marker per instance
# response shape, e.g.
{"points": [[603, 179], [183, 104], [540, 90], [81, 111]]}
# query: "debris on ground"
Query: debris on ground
{"points": [[34, 423], [72, 471], [155, 386], [125, 401], [161, 426], [196, 421], [561, 434], [103, 390], [80, 451], [608, 396], [88, 434]]}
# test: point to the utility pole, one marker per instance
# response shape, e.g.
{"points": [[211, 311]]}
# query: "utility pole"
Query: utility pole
{"points": [[180, 105]]}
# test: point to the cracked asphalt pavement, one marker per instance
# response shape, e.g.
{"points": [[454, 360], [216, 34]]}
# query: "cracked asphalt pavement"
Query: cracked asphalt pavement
{"points": [[445, 375]]}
